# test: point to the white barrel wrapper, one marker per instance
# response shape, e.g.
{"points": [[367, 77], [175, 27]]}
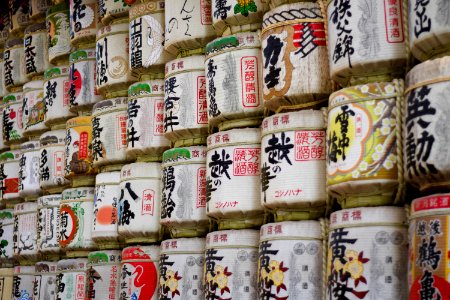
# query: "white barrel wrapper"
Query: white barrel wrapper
{"points": [[71, 279], [23, 282], [29, 186], [103, 275], [48, 224], [2, 81], [111, 9], [33, 108], [35, 45], [58, 28], [44, 284], [9, 167], [25, 230], [83, 21], [14, 63], [12, 118], [6, 236]]}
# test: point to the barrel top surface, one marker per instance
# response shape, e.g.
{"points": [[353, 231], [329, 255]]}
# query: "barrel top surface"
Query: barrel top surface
{"points": [[112, 29], [53, 137], [234, 42], [26, 207], [368, 216], [78, 193], [244, 136], [79, 121], [75, 264], [141, 170], [56, 71], [291, 230], [233, 238], [183, 245], [429, 205], [185, 64], [108, 177], [109, 106], [105, 257], [187, 154], [308, 119], [431, 70], [141, 253], [147, 88]]}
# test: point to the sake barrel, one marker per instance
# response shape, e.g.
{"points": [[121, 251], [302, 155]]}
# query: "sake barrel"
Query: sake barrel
{"points": [[106, 202], [83, 21], [25, 231], [231, 264], [29, 187], [57, 96], [139, 271], [44, 283], [293, 166], [52, 161], [58, 28], [291, 260], [425, 126], [71, 279], [184, 192], [103, 275], [9, 168], [76, 214], [147, 54], [19, 16], [364, 166], [12, 118], [48, 223], [78, 151], [3, 90], [5, 25], [367, 250], [33, 108], [113, 75], [6, 279], [2, 108], [181, 268], [23, 282], [35, 45], [233, 178], [109, 131], [293, 43], [145, 122], [38, 9], [6, 236], [140, 202], [276, 3], [110, 10], [231, 94], [185, 105], [188, 25], [235, 16], [83, 92], [357, 52], [14, 63], [428, 235]]}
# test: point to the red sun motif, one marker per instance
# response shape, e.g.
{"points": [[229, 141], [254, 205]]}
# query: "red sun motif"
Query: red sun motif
{"points": [[12, 115], [77, 82]]}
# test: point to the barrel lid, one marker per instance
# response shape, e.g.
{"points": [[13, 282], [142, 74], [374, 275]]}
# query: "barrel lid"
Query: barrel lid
{"points": [[304, 119], [147, 7], [291, 230], [233, 238], [107, 177], [57, 71], [61, 7], [141, 170], [30, 145], [294, 11], [46, 267], [78, 193], [53, 137], [49, 200], [79, 121], [82, 54], [183, 155], [12, 42], [183, 245], [244, 136], [11, 155], [75, 264], [141, 253], [112, 29], [237, 41], [105, 257], [147, 88], [26, 207], [35, 27], [431, 205], [185, 64], [368, 216], [24, 270], [32, 85], [429, 72], [110, 105]]}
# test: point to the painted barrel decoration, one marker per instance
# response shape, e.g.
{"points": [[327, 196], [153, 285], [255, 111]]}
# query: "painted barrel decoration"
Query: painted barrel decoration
{"points": [[9, 168], [109, 131], [39, 8], [363, 157], [5, 24], [233, 76], [113, 75], [231, 16], [52, 161], [181, 269], [184, 192], [110, 10], [29, 186], [145, 123], [103, 275], [44, 283], [296, 32], [19, 16], [233, 182], [231, 264], [106, 202], [57, 96], [293, 166], [140, 202], [83, 92], [357, 52], [147, 54], [83, 21], [33, 108], [139, 271], [6, 236], [58, 28], [426, 129], [14, 63], [6, 282], [25, 231], [428, 245], [76, 215], [13, 118], [48, 223], [366, 254], [291, 260], [188, 25], [185, 104], [35, 45], [23, 282], [71, 278], [78, 156]]}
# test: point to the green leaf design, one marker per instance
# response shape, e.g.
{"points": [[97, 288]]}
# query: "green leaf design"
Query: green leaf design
{"points": [[252, 6], [237, 8], [3, 243]]}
